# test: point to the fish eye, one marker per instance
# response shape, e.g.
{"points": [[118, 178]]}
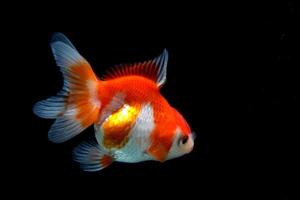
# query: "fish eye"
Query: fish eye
{"points": [[184, 139]]}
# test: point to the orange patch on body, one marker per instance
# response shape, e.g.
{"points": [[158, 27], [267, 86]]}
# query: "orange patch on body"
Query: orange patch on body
{"points": [[163, 134], [181, 123], [117, 126], [158, 151]]}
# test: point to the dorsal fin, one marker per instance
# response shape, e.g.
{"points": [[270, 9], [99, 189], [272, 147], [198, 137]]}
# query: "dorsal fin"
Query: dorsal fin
{"points": [[155, 69]]}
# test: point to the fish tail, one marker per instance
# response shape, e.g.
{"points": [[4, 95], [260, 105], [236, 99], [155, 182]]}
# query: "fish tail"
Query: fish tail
{"points": [[77, 105]]}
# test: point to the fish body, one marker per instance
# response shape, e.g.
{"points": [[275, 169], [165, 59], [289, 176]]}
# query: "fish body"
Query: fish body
{"points": [[133, 122]]}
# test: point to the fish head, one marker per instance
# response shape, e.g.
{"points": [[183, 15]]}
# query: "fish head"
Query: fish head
{"points": [[183, 138]]}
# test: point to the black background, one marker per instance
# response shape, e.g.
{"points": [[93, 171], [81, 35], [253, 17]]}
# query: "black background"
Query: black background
{"points": [[232, 72]]}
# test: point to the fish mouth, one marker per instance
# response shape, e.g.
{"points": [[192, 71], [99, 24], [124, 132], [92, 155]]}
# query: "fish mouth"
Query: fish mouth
{"points": [[190, 144], [194, 135]]}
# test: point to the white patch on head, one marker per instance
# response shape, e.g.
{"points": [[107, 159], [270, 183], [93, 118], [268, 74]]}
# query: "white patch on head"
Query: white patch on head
{"points": [[134, 150], [173, 152], [178, 149]]}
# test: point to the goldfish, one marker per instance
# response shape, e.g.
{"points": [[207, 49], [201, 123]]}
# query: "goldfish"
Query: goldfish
{"points": [[133, 122]]}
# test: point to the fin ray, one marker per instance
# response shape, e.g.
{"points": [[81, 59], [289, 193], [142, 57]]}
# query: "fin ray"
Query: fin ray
{"points": [[49, 108], [91, 156], [155, 69], [77, 106]]}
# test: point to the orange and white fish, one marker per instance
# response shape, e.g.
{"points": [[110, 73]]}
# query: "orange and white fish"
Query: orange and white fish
{"points": [[133, 122]]}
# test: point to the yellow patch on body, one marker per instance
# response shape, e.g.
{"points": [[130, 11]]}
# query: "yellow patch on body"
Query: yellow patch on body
{"points": [[118, 125]]}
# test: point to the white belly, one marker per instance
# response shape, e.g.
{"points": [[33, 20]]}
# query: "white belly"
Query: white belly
{"points": [[135, 150]]}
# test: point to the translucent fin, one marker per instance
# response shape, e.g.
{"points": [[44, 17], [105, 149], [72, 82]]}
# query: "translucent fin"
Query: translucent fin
{"points": [[155, 69], [50, 108], [77, 106], [59, 37], [91, 156]]}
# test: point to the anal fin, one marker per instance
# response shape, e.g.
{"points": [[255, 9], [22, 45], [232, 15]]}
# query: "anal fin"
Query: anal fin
{"points": [[91, 156]]}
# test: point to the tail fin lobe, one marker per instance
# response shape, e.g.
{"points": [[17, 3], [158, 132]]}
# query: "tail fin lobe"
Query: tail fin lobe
{"points": [[77, 106]]}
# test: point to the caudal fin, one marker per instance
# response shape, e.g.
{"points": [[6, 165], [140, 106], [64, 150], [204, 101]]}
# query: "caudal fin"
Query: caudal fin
{"points": [[77, 105]]}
